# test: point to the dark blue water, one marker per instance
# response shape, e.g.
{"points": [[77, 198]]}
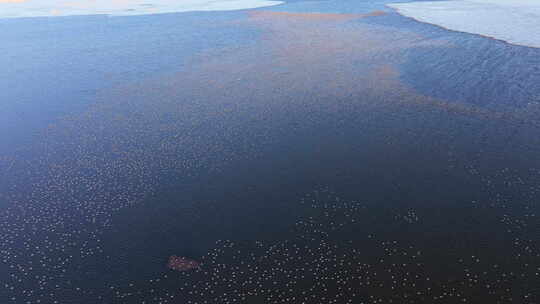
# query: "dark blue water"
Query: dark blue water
{"points": [[127, 140]]}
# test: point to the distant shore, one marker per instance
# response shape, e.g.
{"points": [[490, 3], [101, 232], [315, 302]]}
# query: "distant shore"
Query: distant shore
{"points": [[29, 9]]}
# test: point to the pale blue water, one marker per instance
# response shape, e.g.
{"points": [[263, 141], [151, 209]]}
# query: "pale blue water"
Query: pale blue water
{"points": [[52, 67]]}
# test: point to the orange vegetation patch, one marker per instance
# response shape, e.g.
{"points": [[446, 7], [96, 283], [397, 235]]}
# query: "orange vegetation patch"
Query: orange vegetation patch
{"points": [[313, 16]]}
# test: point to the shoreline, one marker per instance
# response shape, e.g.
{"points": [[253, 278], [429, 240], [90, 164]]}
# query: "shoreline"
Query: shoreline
{"points": [[443, 25], [54, 12]]}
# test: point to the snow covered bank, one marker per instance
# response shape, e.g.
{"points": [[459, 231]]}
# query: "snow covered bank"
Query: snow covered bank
{"points": [[46, 8], [514, 21]]}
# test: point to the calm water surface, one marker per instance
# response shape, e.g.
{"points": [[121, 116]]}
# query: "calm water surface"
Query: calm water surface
{"points": [[298, 156]]}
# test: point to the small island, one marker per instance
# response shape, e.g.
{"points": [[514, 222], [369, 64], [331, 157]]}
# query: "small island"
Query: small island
{"points": [[179, 263]]}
